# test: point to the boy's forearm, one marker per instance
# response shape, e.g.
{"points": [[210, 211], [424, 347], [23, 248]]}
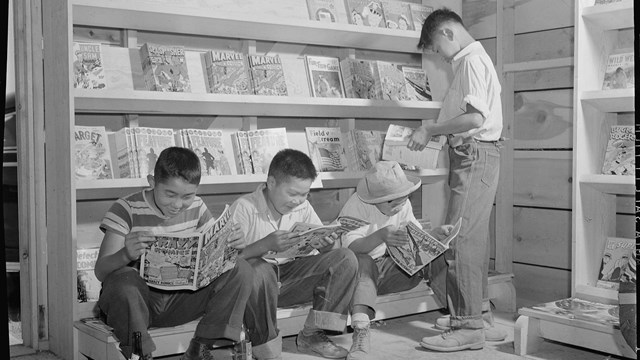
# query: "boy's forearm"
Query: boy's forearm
{"points": [[459, 124], [365, 244], [253, 250], [110, 263]]}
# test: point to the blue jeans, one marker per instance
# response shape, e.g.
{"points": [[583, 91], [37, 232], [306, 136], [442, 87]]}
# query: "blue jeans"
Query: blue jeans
{"points": [[130, 305], [327, 280], [459, 276]]}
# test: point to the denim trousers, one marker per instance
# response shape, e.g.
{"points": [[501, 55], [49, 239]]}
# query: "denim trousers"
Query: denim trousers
{"points": [[459, 276], [130, 305], [327, 280]]}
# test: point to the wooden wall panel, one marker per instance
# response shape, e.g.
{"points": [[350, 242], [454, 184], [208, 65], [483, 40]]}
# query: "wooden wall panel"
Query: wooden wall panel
{"points": [[479, 16], [540, 15], [542, 179], [538, 284], [544, 79], [542, 237], [543, 45], [543, 120], [490, 46]]}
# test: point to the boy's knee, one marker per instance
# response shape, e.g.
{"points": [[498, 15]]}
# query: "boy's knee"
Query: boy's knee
{"points": [[264, 273], [345, 257], [365, 261], [243, 271]]}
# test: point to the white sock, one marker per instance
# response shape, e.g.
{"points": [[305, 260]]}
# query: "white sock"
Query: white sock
{"points": [[360, 320]]}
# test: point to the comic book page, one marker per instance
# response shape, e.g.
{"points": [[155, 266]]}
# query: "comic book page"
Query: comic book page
{"points": [[395, 148], [88, 69], [421, 249], [165, 68], [327, 148], [92, 153]]}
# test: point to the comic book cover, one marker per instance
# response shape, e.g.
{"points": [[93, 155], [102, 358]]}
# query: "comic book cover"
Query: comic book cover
{"points": [[361, 79], [615, 260], [92, 153], [397, 14], [395, 148], [149, 144], [207, 144], [124, 153], [322, 10], [365, 13], [88, 284], [367, 147], [190, 261], [417, 84], [327, 148], [267, 75], [392, 81], [419, 14], [619, 73], [164, 68], [575, 309], [264, 144], [242, 152], [88, 69], [324, 76], [619, 158], [227, 73]]}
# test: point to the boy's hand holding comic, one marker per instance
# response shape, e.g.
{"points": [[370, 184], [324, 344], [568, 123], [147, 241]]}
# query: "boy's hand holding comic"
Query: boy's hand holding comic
{"points": [[441, 232], [236, 238], [137, 243], [393, 236], [326, 243], [280, 240]]}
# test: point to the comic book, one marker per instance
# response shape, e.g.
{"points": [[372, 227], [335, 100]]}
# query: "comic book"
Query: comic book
{"points": [[267, 75], [124, 151], [88, 69], [365, 13], [421, 249], [311, 235], [149, 144], [392, 81], [397, 14], [419, 14], [227, 73], [92, 153], [88, 284], [322, 10], [242, 152], [575, 309], [367, 147], [395, 148], [619, 73], [207, 144], [325, 78], [619, 158], [264, 144], [164, 68], [417, 84], [190, 261], [615, 260], [327, 148], [361, 79]]}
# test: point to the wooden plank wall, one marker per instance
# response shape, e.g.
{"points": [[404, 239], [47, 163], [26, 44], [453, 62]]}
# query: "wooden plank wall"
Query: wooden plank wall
{"points": [[543, 127]]}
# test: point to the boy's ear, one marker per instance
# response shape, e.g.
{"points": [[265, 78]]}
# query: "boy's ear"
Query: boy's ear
{"points": [[271, 182], [448, 33], [151, 180]]}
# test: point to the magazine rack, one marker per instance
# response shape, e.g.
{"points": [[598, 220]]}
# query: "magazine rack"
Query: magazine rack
{"points": [[594, 195]]}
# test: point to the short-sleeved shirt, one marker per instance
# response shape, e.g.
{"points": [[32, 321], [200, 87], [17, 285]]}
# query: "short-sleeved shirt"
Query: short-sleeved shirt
{"points": [[254, 217], [357, 208], [475, 82], [134, 213]]}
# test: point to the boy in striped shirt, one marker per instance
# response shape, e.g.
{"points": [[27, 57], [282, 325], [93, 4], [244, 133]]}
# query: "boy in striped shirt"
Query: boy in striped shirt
{"points": [[170, 205]]}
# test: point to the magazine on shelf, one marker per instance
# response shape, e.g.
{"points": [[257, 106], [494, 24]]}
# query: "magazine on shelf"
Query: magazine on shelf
{"points": [[327, 148], [367, 147], [325, 78], [227, 73], [92, 153], [97, 324], [619, 73], [264, 144], [365, 13], [395, 148], [421, 249], [619, 158], [267, 75], [323, 10], [361, 79], [615, 260], [397, 14], [578, 309], [392, 81], [88, 284], [419, 14], [149, 144], [311, 235], [190, 261], [123, 150], [605, 2], [164, 68], [417, 84], [207, 144], [242, 153], [88, 69]]}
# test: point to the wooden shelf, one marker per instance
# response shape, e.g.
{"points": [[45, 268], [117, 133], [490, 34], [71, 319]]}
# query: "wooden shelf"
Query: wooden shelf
{"points": [[229, 184], [596, 294], [610, 16], [184, 20], [162, 103], [538, 64], [617, 100], [611, 184]]}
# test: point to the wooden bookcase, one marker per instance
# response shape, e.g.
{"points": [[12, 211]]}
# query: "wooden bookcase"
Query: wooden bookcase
{"points": [[594, 195]]}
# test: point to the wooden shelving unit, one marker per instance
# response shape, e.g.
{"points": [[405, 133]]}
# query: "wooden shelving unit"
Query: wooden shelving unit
{"points": [[594, 194]]}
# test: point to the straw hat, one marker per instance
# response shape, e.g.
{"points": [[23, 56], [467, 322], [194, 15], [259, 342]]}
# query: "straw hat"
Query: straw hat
{"points": [[386, 181]]}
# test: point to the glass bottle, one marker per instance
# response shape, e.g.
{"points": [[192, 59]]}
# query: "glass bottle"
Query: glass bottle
{"points": [[137, 353], [243, 347]]}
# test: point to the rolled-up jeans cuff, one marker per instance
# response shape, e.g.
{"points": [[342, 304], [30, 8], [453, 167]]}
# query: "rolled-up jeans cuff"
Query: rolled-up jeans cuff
{"points": [[467, 322], [326, 320]]}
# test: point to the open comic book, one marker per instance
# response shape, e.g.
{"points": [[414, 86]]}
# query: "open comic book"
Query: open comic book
{"points": [[312, 234], [422, 248], [190, 261]]}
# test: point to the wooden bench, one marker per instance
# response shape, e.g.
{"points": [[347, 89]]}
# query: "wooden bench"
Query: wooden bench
{"points": [[102, 345]]}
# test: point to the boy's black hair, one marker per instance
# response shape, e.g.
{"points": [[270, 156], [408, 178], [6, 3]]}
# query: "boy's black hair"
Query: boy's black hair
{"points": [[433, 22], [176, 162], [291, 163]]}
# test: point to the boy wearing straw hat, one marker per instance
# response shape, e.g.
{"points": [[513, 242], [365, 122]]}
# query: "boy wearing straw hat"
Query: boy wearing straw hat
{"points": [[382, 199]]}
